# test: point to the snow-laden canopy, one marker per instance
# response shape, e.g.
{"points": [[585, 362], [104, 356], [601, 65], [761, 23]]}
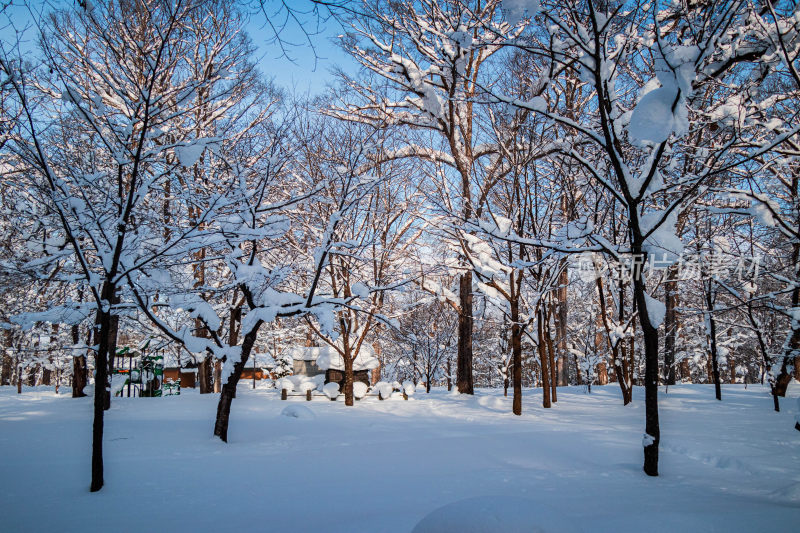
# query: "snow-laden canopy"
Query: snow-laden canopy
{"points": [[327, 357], [331, 359], [306, 353]]}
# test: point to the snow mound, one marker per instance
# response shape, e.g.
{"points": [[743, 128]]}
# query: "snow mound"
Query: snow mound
{"points": [[300, 383], [409, 388], [298, 411], [485, 514], [492, 402], [331, 390], [384, 389], [365, 360], [359, 389], [306, 385], [285, 384], [303, 353]]}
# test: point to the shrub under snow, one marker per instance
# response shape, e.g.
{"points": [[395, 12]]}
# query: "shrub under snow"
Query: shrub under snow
{"points": [[384, 389], [359, 389], [331, 390], [298, 411]]}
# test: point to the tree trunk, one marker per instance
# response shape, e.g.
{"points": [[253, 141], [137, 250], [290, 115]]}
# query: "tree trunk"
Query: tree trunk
{"points": [[377, 347], [650, 334], [449, 374], [348, 377], [47, 374], [5, 373], [101, 392], [711, 331], [233, 340], [602, 368], [670, 324], [79, 369], [516, 349], [217, 372], [686, 372], [32, 373], [204, 373], [229, 388], [79, 375], [543, 357], [552, 361], [464, 364], [561, 312], [7, 367]]}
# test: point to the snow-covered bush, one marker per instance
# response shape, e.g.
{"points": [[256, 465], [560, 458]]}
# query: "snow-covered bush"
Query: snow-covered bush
{"points": [[285, 384], [359, 389], [409, 388], [305, 384], [331, 390], [298, 411], [384, 389]]}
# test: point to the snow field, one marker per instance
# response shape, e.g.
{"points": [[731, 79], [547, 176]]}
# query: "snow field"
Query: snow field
{"points": [[444, 462]]}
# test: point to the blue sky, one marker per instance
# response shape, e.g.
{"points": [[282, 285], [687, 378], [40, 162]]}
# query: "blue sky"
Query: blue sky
{"points": [[304, 71]]}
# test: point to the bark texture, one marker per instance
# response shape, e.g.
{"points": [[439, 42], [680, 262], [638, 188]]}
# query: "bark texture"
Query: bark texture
{"points": [[464, 380]]}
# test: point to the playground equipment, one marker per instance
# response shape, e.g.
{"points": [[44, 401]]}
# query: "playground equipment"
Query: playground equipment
{"points": [[146, 378]]}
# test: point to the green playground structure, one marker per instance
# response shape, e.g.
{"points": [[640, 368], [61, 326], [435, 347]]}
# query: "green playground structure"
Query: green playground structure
{"points": [[146, 379]]}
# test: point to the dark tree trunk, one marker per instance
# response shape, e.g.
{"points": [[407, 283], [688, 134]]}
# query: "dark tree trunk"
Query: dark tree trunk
{"points": [[543, 358], [602, 373], [204, 373], [7, 368], [47, 373], [650, 334], [516, 349], [670, 324], [233, 340], [5, 377], [561, 315], [32, 373], [784, 377], [464, 364], [79, 376], [552, 361], [101, 392], [377, 348], [449, 375], [602, 368], [686, 372], [229, 388], [711, 326], [79, 367], [348, 378]]}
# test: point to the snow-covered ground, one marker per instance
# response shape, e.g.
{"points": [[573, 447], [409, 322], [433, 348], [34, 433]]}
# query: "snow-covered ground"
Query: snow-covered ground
{"points": [[390, 466]]}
